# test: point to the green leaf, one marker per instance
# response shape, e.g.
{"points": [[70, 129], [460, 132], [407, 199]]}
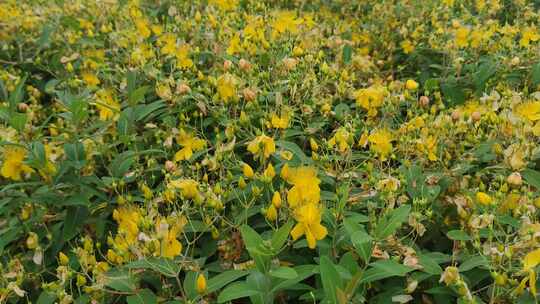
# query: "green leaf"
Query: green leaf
{"points": [[473, 262], [145, 296], [281, 235], [74, 220], [256, 248], [347, 53], [485, 71], [384, 269], [331, 280], [44, 39], [165, 266], [18, 121], [295, 150], [363, 243], [121, 163], [535, 74], [46, 298], [458, 235], [532, 177], [121, 281], [429, 264], [236, 291], [303, 271], [75, 154], [390, 223], [453, 92], [190, 282], [283, 272], [17, 95], [223, 279]]}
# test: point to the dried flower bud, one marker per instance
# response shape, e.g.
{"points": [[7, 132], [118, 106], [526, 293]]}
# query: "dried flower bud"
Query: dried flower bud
{"points": [[515, 179], [182, 89], [424, 101], [227, 64], [170, 166], [244, 65], [249, 94]]}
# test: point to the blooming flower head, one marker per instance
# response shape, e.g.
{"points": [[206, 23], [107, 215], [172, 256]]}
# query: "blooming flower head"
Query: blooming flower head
{"points": [[529, 110], [381, 143], [170, 246], [371, 98], [13, 165], [189, 145], [262, 145], [226, 87], [309, 224], [189, 188], [107, 105], [305, 183], [128, 219], [285, 21]]}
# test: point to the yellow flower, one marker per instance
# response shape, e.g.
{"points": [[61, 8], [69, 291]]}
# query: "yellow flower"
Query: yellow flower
{"points": [[528, 34], [107, 106], [224, 5], [128, 223], [280, 122], [170, 246], [529, 110], [342, 138], [188, 187], [142, 27], [381, 143], [309, 223], [63, 259], [262, 144], [182, 57], [235, 45], [483, 198], [13, 165], [271, 213], [370, 98], [226, 87], [276, 199], [201, 283], [305, 183], [285, 21], [462, 36], [410, 84], [247, 171], [90, 78], [531, 260], [269, 173], [189, 145], [407, 46]]}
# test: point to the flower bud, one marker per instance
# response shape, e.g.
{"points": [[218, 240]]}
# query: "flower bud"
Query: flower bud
{"points": [[515, 179], [182, 89], [201, 283], [227, 64], [244, 65], [249, 94], [424, 101]]}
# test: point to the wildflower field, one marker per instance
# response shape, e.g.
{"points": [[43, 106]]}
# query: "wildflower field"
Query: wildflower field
{"points": [[279, 151]]}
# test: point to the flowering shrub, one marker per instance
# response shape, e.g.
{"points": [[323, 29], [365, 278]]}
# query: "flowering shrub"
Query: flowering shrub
{"points": [[245, 151]]}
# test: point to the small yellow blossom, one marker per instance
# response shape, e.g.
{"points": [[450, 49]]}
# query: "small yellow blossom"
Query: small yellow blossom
{"points": [[262, 144], [309, 224], [189, 145], [381, 143], [13, 166]]}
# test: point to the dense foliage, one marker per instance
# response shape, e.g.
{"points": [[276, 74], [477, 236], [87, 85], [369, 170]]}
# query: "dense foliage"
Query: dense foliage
{"points": [[246, 151]]}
